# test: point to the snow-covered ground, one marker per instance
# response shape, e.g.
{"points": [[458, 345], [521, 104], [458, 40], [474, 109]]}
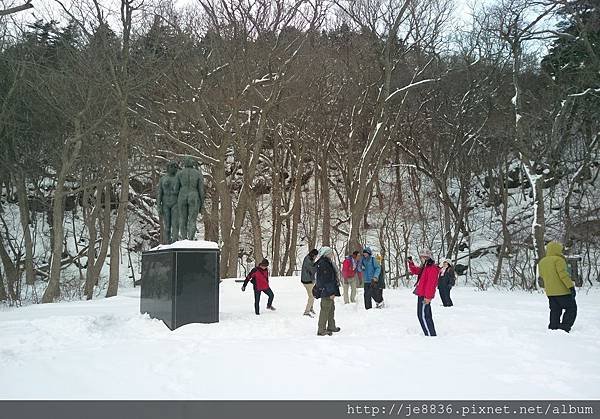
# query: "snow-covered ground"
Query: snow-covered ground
{"points": [[491, 345]]}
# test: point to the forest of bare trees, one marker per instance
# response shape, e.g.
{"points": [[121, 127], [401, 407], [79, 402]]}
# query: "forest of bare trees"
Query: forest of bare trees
{"points": [[399, 123]]}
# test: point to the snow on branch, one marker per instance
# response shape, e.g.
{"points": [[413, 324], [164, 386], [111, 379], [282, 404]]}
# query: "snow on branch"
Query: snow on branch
{"points": [[585, 92], [410, 86]]}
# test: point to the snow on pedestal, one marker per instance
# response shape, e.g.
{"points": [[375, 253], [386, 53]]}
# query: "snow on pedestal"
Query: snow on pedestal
{"points": [[187, 244]]}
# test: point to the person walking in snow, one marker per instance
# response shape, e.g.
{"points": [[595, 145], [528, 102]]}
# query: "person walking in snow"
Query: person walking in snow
{"points": [[307, 278], [559, 288], [327, 285], [370, 271], [379, 285], [446, 282], [350, 276], [427, 280], [259, 276]]}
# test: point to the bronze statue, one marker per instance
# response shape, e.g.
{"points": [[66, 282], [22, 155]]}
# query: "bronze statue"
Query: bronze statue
{"points": [[166, 200], [190, 199]]}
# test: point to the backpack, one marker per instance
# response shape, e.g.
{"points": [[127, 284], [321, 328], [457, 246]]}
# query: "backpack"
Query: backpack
{"points": [[381, 277]]}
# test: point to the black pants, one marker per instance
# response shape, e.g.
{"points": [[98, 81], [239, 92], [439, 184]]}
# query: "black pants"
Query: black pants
{"points": [[257, 299], [377, 295], [372, 293], [557, 305], [445, 295], [368, 295], [424, 315]]}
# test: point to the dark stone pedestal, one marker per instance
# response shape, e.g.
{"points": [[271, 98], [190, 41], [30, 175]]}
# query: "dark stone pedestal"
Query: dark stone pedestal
{"points": [[181, 286]]}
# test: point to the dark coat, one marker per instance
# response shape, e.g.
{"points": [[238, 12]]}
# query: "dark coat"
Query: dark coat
{"points": [[307, 276], [448, 279], [327, 280]]}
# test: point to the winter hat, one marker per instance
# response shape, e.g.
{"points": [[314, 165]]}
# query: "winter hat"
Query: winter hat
{"points": [[426, 253], [264, 262], [325, 250], [446, 261], [368, 250]]}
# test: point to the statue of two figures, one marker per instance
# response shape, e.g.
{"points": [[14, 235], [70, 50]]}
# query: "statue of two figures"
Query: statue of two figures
{"points": [[179, 199]]}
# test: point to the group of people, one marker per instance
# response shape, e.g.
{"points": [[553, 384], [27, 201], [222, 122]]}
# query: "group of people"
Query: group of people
{"points": [[322, 278]]}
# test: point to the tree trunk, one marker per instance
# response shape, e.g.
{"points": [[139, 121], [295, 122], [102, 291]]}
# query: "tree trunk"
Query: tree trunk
{"points": [[12, 275], [211, 220], [122, 208], [25, 221], [256, 229], [225, 215], [312, 242], [296, 211], [506, 246], [100, 213], [276, 194], [58, 214], [325, 199]]}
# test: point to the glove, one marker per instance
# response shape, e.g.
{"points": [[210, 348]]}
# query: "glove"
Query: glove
{"points": [[243, 288], [373, 284], [572, 292]]}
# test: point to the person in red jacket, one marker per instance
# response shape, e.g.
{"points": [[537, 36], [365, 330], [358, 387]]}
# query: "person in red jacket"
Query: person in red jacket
{"points": [[427, 281], [259, 276]]}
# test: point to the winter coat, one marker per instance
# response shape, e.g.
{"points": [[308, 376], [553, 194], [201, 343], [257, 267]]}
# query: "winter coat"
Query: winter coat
{"points": [[307, 276], [327, 280], [428, 278], [370, 269], [349, 268], [553, 270], [447, 278], [259, 278]]}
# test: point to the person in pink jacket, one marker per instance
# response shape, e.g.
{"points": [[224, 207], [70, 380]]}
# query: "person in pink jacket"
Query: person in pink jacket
{"points": [[427, 281]]}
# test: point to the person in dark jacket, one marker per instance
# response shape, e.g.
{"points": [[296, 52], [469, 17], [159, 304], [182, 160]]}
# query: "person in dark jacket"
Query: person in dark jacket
{"points": [[259, 276], [559, 288], [427, 281], [307, 277], [328, 285], [379, 285], [446, 282]]}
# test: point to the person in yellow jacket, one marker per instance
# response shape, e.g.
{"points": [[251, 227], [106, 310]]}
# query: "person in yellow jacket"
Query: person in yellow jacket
{"points": [[559, 288]]}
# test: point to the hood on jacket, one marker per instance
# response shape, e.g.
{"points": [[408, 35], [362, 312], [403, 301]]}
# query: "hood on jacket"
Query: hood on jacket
{"points": [[325, 250], [554, 249], [368, 250]]}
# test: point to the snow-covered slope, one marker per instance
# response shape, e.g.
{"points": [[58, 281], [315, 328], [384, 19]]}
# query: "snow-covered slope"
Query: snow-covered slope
{"points": [[491, 345]]}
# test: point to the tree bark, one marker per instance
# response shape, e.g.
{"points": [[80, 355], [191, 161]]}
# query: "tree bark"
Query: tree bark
{"points": [[276, 195], [11, 273], [256, 229], [325, 199], [121, 218], [296, 207], [25, 222]]}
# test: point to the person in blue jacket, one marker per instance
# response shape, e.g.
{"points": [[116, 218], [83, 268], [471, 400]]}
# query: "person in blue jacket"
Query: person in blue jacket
{"points": [[370, 272]]}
